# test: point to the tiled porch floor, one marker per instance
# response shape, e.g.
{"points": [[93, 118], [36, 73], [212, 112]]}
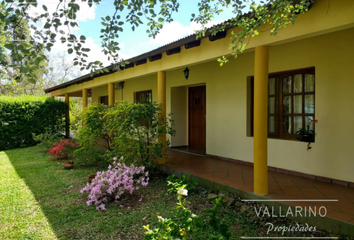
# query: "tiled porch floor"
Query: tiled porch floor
{"points": [[280, 186]]}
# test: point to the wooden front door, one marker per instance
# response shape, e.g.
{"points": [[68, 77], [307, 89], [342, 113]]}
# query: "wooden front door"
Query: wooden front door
{"points": [[197, 114]]}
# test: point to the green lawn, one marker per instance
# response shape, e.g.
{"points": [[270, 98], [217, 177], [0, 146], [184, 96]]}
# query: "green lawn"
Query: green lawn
{"points": [[39, 199]]}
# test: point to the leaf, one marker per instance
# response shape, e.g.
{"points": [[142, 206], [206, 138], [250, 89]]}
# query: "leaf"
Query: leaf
{"points": [[45, 8], [47, 25], [10, 46], [70, 50]]}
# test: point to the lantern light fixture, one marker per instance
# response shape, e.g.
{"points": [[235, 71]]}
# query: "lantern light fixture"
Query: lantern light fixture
{"points": [[186, 73]]}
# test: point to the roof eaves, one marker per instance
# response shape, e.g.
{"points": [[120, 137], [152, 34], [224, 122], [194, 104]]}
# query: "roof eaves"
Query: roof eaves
{"points": [[159, 50]]}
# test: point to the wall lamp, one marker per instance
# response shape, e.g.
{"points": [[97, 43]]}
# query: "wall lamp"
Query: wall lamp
{"points": [[186, 73]]}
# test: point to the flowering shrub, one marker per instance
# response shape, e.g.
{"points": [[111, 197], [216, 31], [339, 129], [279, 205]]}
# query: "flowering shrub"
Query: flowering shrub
{"points": [[62, 149], [110, 185], [187, 225], [176, 183]]}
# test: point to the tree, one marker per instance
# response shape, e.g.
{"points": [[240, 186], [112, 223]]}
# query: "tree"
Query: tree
{"points": [[58, 69], [19, 36], [277, 13], [18, 51]]}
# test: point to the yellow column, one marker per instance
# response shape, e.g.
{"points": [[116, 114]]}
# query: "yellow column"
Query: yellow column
{"points": [[110, 94], [161, 99], [260, 120], [67, 116], [84, 99]]}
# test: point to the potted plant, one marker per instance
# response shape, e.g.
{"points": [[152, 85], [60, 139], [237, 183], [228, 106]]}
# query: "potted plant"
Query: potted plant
{"points": [[306, 134]]}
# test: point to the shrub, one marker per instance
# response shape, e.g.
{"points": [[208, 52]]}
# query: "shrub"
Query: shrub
{"points": [[47, 138], [93, 135], [128, 130], [136, 129], [21, 117], [110, 185], [62, 150], [185, 180], [75, 113], [185, 224]]}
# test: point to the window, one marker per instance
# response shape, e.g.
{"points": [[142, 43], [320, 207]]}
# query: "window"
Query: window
{"points": [[291, 102], [143, 97], [104, 100]]}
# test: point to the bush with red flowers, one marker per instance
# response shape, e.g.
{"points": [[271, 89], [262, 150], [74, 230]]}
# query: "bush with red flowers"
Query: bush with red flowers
{"points": [[62, 150]]}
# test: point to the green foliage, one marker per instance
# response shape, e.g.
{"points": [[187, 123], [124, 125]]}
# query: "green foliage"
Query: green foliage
{"points": [[277, 13], [75, 113], [185, 180], [47, 138], [220, 230], [25, 60], [185, 224], [136, 129], [21, 117], [93, 135], [128, 130]]}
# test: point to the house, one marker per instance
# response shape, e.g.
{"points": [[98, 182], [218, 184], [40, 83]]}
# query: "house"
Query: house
{"points": [[233, 112]]}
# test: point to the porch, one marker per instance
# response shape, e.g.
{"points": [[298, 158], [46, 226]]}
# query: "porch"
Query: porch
{"points": [[284, 189]]}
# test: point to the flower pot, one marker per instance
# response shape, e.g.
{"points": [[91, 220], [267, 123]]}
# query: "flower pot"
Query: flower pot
{"points": [[91, 177], [69, 165], [307, 138]]}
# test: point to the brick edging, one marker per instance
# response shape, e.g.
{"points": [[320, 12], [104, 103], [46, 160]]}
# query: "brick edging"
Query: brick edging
{"points": [[289, 172]]}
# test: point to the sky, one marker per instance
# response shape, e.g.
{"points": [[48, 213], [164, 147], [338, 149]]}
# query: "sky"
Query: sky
{"points": [[131, 43]]}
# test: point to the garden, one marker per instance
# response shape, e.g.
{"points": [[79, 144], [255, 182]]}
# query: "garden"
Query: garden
{"points": [[104, 185]]}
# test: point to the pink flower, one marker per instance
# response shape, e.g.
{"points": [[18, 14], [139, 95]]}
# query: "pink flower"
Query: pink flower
{"points": [[111, 184]]}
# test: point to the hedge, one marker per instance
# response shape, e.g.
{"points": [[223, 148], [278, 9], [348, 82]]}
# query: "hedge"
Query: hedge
{"points": [[22, 116]]}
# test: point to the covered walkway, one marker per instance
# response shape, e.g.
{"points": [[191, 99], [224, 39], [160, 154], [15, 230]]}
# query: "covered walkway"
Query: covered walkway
{"points": [[284, 189]]}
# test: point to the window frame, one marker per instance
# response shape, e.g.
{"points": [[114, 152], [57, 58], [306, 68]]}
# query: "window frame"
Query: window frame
{"points": [[136, 96], [104, 100], [279, 115]]}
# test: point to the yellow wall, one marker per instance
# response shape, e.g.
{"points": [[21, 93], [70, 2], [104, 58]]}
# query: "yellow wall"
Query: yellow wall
{"points": [[225, 104], [296, 47], [322, 18], [332, 154], [226, 114], [99, 92], [140, 84]]}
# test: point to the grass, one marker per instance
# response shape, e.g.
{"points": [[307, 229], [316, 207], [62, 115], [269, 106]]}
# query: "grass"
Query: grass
{"points": [[39, 199], [42, 200]]}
